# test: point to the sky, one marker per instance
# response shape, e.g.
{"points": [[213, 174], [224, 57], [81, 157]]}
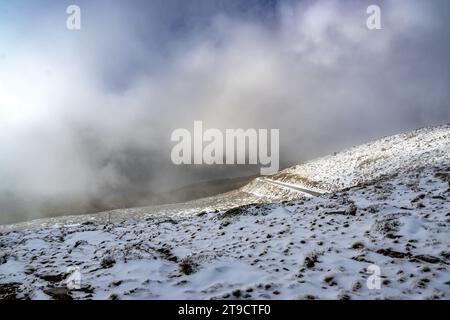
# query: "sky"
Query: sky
{"points": [[87, 115]]}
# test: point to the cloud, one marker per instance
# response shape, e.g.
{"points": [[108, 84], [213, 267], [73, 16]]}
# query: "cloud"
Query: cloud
{"points": [[86, 116]]}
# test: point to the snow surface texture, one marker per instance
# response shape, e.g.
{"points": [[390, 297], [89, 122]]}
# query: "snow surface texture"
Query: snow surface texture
{"points": [[396, 218]]}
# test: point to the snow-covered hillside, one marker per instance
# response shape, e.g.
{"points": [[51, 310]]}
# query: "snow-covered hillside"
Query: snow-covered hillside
{"points": [[386, 208], [383, 157]]}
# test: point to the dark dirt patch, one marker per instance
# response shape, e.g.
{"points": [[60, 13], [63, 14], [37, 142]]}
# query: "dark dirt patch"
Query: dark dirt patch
{"points": [[311, 260], [357, 245], [188, 266], [237, 211], [426, 258], [52, 278], [418, 198], [393, 254], [9, 291], [167, 254], [58, 293], [107, 262], [330, 281]]}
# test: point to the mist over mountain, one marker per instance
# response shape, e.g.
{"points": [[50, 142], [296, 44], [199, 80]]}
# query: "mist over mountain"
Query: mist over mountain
{"points": [[86, 116]]}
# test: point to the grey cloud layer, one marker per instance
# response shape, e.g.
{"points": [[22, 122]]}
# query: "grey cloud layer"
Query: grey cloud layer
{"points": [[88, 115]]}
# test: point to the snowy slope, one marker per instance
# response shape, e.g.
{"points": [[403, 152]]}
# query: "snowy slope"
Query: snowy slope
{"points": [[393, 214], [387, 156], [361, 164]]}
